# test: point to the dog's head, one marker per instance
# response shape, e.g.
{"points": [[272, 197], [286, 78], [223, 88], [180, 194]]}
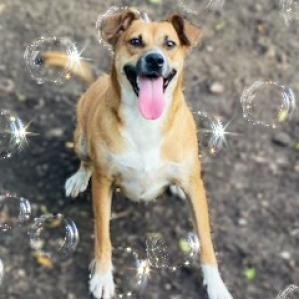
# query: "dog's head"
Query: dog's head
{"points": [[149, 56]]}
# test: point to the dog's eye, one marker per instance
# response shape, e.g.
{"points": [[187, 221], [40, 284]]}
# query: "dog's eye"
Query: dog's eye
{"points": [[169, 44], [136, 42]]}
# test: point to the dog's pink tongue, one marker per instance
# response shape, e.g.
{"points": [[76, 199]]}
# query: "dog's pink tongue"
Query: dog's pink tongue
{"points": [[151, 98]]}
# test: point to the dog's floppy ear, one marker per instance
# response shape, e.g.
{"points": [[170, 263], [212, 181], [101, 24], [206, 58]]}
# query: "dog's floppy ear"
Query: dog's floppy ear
{"points": [[189, 34], [113, 26]]}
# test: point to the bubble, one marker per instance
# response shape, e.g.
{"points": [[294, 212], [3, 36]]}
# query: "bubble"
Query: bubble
{"points": [[13, 211], [36, 53], [54, 236], [1, 271], [131, 272], [291, 292], [102, 17], [268, 103], [289, 10], [12, 134], [195, 7], [217, 130], [171, 253], [157, 251]]}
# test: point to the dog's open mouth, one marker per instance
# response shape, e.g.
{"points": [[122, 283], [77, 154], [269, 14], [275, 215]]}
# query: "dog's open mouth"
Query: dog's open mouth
{"points": [[150, 91]]}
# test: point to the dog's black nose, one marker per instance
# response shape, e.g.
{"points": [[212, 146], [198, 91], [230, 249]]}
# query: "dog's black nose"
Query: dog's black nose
{"points": [[154, 61], [151, 65]]}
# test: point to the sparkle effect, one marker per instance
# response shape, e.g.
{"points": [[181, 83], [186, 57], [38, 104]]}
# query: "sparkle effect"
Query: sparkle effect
{"points": [[218, 133], [19, 132], [74, 59]]}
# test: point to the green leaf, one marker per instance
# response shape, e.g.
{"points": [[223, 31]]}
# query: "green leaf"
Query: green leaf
{"points": [[185, 246], [155, 1], [250, 274]]}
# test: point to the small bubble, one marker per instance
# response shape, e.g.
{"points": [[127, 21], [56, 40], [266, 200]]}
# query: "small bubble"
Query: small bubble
{"points": [[289, 10], [56, 235], [13, 211], [291, 292], [131, 272], [217, 131], [195, 7], [157, 251], [12, 134], [268, 103], [39, 51]]}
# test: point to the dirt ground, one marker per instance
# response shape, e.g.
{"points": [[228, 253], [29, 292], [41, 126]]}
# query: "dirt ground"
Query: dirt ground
{"points": [[252, 185]]}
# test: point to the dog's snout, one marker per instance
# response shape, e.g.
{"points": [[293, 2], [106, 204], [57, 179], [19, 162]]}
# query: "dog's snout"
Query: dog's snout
{"points": [[153, 64], [154, 61]]}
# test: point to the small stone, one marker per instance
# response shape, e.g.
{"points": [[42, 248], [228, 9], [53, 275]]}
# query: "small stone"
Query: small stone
{"points": [[7, 86], [285, 255], [217, 88], [296, 167], [69, 145], [282, 139], [56, 132], [21, 97], [242, 222]]}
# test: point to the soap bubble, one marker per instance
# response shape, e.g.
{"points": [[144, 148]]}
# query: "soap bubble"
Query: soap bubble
{"points": [[1, 271], [131, 272], [217, 130], [169, 253], [13, 211], [291, 292], [195, 7], [102, 17], [37, 52], [13, 134], [289, 10], [157, 251], [268, 103], [54, 236]]}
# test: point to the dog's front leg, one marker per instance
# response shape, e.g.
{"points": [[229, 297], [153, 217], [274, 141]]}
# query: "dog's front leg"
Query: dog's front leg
{"points": [[101, 283], [215, 287]]}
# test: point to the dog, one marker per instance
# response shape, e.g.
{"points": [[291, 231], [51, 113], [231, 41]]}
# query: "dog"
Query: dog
{"points": [[135, 131]]}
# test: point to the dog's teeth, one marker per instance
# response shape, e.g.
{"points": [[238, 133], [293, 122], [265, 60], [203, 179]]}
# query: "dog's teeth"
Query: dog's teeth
{"points": [[138, 82]]}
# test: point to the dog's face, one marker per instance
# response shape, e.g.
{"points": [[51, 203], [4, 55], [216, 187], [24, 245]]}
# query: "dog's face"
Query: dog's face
{"points": [[149, 56]]}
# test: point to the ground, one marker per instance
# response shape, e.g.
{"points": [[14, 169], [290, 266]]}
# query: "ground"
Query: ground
{"points": [[252, 185]]}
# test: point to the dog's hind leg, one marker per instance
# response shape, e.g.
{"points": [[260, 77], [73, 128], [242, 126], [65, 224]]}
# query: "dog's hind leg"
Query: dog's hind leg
{"points": [[78, 182]]}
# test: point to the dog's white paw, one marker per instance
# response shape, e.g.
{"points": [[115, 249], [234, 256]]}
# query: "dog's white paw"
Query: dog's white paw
{"points": [[215, 286], [102, 286], [177, 191], [77, 183]]}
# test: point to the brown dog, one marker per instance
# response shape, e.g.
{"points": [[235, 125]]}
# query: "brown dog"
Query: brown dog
{"points": [[135, 131]]}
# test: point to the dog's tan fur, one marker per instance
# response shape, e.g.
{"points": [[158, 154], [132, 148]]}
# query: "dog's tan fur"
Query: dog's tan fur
{"points": [[102, 121]]}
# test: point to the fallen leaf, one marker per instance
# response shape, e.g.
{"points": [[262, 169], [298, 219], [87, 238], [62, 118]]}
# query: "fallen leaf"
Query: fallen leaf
{"points": [[250, 274], [44, 261]]}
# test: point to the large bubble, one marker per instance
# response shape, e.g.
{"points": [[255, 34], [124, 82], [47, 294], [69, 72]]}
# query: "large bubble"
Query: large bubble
{"points": [[170, 253], [102, 18], [268, 103], [53, 236], [38, 53]]}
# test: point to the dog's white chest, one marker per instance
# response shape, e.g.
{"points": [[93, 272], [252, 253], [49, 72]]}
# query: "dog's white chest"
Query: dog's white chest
{"points": [[142, 172]]}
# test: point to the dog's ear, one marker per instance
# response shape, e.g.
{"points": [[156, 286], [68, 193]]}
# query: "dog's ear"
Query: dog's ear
{"points": [[189, 34], [113, 26]]}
